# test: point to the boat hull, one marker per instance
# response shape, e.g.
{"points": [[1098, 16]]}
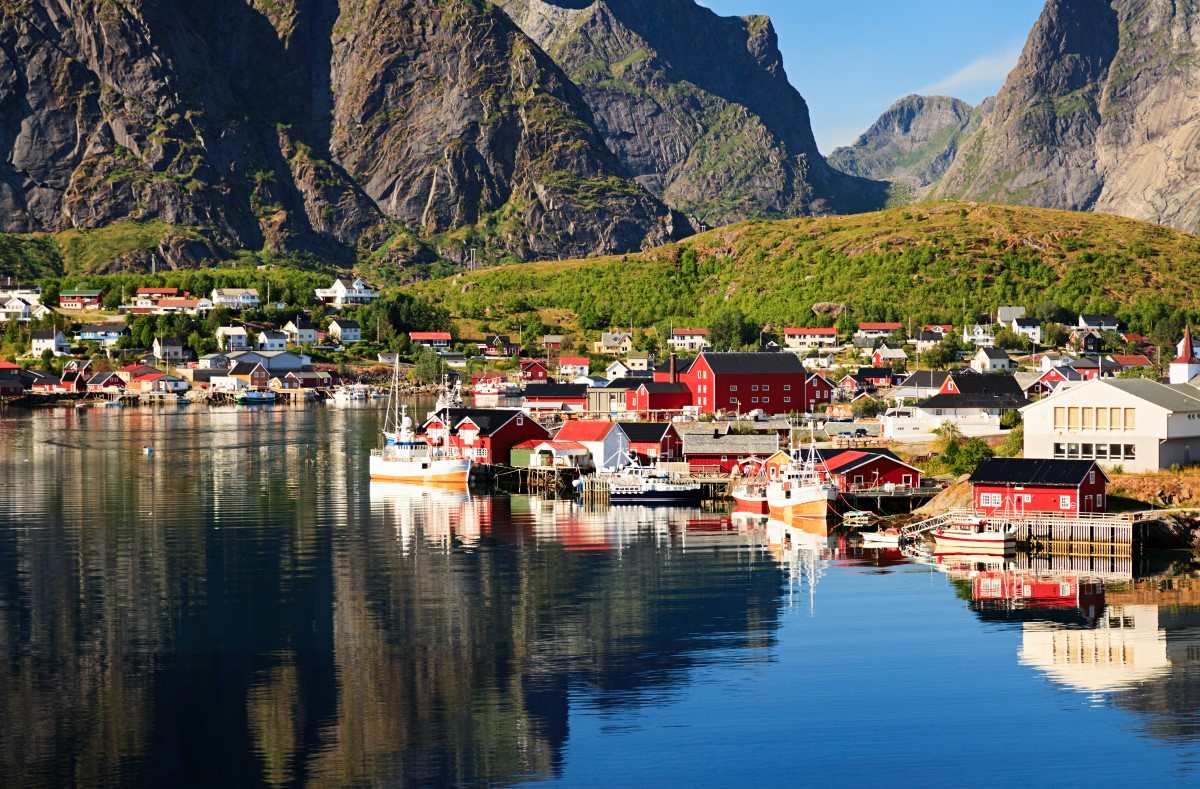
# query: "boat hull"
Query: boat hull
{"points": [[964, 542], [658, 498], [418, 472], [751, 503]]}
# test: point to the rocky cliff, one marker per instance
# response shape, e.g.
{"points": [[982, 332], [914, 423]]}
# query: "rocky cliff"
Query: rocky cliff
{"points": [[697, 106], [911, 144], [305, 125], [1101, 113]]}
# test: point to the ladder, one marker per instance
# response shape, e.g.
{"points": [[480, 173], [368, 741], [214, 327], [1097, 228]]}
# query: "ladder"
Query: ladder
{"points": [[929, 524]]}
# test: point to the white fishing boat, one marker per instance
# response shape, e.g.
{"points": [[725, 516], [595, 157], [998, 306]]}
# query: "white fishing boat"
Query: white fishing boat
{"points": [[407, 457], [884, 538], [255, 397], [350, 393], [975, 536], [650, 485], [800, 496]]}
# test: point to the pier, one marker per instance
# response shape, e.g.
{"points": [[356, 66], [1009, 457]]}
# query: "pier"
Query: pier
{"points": [[1068, 534]]}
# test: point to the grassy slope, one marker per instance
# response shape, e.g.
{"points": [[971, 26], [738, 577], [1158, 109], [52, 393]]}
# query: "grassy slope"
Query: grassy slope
{"points": [[935, 261]]}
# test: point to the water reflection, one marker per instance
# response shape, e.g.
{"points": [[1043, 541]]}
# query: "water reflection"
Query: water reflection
{"points": [[245, 608]]}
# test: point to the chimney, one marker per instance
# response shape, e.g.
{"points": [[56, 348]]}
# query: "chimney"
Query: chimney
{"points": [[672, 370]]}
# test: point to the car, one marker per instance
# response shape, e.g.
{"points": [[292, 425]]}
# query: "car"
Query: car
{"points": [[861, 432]]}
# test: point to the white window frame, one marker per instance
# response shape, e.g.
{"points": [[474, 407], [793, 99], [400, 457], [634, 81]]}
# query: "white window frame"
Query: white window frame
{"points": [[1064, 502]]}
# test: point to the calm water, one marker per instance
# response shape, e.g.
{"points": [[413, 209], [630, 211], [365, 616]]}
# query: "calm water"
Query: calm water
{"points": [[242, 608]]}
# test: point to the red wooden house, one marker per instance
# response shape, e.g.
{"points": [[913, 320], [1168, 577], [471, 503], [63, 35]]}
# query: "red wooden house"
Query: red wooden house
{"points": [[79, 299], [486, 435], [775, 383], [106, 383], [1031, 485], [10, 380], [551, 396], [651, 396], [867, 469], [534, 370], [653, 441], [725, 452], [74, 380]]}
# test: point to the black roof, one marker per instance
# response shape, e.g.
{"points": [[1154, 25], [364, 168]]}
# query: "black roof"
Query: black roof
{"points": [[1028, 323], [645, 432], [741, 363], [47, 334], [929, 379], [1030, 471], [929, 336], [661, 386], [994, 353], [489, 420], [1099, 320], [552, 389], [1008, 402], [345, 323], [627, 383], [973, 383], [243, 368]]}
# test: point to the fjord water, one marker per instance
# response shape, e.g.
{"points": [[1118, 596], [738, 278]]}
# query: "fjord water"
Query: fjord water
{"points": [[243, 608]]}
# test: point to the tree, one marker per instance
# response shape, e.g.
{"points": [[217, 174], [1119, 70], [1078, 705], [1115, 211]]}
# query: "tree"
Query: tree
{"points": [[731, 329], [868, 407], [428, 367], [1009, 340], [1054, 335]]}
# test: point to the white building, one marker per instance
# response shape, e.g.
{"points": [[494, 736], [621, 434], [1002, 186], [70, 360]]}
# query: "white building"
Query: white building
{"points": [[810, 338], [992, 360], [346, 292], [269, 340], [345, 331], [1135, 423], [233, 338], [1186, 366], [235, 298], [688, 340], [605, 441], [300, 331], [1006, 315], [979, 335], [50, 340], [1098, 323], [1029, 328], [18, 308], [971, 402], [29, 293], [871, 331], [169, 349]]}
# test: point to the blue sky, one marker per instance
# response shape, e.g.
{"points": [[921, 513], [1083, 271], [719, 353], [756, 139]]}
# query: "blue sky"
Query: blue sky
{"points": [[852, 58]]}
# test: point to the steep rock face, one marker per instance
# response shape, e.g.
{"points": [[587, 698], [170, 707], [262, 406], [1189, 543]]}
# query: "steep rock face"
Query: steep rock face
{"points": [[697, 106], [259, 123], [1101, 113], [911, 144]]}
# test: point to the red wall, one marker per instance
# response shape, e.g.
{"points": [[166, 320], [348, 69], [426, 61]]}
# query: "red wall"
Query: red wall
{"points": [[640, 401], [716, 395], [875, 474], [1046, 499]]}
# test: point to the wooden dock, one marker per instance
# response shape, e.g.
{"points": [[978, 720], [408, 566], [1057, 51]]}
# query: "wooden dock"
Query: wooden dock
{"points": [[1067, 534]]}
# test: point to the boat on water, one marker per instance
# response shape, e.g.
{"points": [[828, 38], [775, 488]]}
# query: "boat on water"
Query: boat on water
{"points": [[350, 393], [800, 496], [647, 485], [975, 536], [884, 538], [750, 496], [255, 397], [407, 457]]}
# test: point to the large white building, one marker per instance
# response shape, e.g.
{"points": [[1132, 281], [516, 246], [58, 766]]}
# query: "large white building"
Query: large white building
{"points": [[1135, 423], [235, 298], [343, 293]]}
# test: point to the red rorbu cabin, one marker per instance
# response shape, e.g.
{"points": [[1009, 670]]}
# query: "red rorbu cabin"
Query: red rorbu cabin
{"points": [[1032, 485], [485, 435], [651, 442]]}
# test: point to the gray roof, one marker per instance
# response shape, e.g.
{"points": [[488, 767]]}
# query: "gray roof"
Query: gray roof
{"points": [[1181, 397], [730, 444]]}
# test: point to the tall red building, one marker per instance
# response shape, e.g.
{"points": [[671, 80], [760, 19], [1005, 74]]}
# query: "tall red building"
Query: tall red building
{"points": [[776, 383]]}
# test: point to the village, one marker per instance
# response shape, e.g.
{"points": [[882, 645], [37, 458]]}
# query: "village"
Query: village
{"points": [[893, 414]]}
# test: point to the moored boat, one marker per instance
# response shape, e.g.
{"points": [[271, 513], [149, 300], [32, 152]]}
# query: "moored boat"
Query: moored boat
{"points": [[255, 397], [407, 457], [884, 538], [750, 496], [800, 497], [975, 536]]}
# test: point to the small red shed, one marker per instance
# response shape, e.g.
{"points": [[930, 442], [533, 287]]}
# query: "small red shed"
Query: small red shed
{"points": [[653, 441], [1035, 485]]}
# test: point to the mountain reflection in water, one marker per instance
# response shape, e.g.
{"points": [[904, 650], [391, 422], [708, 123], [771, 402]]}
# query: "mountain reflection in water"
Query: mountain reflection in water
{"points": [[245, 608]]}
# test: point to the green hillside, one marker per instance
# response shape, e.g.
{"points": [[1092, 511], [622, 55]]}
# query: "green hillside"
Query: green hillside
{"points": [[921, 263]]}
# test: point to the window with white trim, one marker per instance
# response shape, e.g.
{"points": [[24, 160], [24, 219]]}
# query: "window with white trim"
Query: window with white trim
{"points": [[1064, 502]]}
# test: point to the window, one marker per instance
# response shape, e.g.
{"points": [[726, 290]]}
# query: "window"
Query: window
{"points": [[753, 387], [520, 421], [990, 500], [733, 387], [1060, 450], [1130, 419], [1092, 477], [1072, 450], [787, 399], [787, 387], [1130, 452], [906, 480], [766, 387], [1114, 417], [1102, 419], [1089, 420], [1073, 418], [1099, 501], [1064, 502], [753, 399]]}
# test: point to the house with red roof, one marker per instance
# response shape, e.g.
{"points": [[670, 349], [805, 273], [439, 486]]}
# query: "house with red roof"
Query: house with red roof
{"points": [[10, 380], [1132, 361], [572, 367], [606, 442], [430, 339], [877, 330], [688, 340], [868, 469], [810, 338]]}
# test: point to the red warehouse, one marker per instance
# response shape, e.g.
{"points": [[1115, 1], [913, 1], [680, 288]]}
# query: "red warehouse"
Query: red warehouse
{"points": [[868, 469], [1020, 485], [485, 435], [776, 383], [653, 441], [710, 452], [652, 396]]}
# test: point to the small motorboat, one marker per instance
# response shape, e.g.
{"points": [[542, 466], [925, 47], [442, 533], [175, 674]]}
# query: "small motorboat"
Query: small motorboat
{"points": [[975, 535], [884, 538]]}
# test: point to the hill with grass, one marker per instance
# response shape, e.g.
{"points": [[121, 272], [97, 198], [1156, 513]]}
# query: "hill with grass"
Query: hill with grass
{"points": [[936, 262]]}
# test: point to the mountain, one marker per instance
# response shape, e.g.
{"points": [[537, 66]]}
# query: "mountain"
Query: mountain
{"points": [[697, 106], [337, 129], [920, 263], [1099, 114], [912, 143]]}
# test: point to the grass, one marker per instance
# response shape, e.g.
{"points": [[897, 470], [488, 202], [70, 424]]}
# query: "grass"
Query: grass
{"points": [[925, 263], [92, 251]]}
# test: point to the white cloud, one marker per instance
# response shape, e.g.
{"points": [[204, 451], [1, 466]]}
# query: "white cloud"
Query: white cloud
{"points": [[982, 76]]}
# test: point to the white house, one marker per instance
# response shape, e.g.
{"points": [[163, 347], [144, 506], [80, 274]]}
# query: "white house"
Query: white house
{"points": [[1186, 366], [50, 340], [616, 369], [810, 338], [1134, 423], [345, 331], [29, 293], [345, 292], [688, 340], [269, 340], [272, 361], [979, 335], [235, 298], [1098, 323], [300, 331], [572, 367], [213, 361], [233, 338], [870, 331], [605, 441], [992, 360], [18, 308], [971, 402], [169, 349], [1029, 328]]}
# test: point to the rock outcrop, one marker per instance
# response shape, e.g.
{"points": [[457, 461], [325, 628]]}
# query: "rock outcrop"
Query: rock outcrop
{"points": [[697, 106], [1101, 113], [300, 125], [912, 143]]}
